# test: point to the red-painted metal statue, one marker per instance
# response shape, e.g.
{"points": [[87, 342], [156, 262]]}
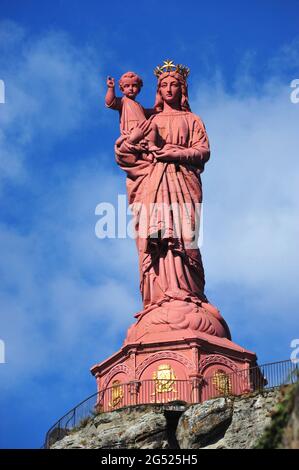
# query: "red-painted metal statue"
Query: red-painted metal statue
{"points": [[163, 152]]}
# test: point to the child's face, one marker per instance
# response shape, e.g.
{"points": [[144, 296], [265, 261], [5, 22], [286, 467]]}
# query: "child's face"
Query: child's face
{"points": [[130, 87]]}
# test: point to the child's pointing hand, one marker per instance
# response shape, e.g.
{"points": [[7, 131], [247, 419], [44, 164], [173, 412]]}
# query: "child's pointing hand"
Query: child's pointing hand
{"points": [[110, 82]]}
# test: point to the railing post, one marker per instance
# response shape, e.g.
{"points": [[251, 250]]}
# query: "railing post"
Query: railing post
{"points": [[246, 382], [196, 382], [134, 386]]}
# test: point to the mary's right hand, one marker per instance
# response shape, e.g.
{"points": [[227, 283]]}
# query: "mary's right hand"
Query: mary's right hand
{"points": [[169, 152]]}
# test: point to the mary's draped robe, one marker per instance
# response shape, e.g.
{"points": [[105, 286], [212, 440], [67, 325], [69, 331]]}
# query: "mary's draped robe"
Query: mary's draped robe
{"points": [[170, 267]]}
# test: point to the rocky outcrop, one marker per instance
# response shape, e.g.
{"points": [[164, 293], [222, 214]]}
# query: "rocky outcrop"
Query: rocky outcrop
{"points": [[283, 431], [290, 437], [204, 423], [225, 423], [139, 427]]}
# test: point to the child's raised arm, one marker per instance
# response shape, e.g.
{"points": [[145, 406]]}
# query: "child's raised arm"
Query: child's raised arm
{"points": [[111, 100], [110, 95]]}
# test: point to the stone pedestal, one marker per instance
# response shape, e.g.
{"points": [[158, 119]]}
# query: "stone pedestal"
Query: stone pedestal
{"points": [[175, 352]]}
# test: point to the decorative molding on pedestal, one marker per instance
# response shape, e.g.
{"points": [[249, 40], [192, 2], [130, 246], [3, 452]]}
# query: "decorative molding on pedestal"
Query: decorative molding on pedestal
{"points": [[215, 359], [116, 370], [161, 356]]}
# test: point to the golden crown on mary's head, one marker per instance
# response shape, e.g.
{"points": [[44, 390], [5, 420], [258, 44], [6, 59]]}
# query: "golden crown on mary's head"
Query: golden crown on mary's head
{"points": [[169, 66]]}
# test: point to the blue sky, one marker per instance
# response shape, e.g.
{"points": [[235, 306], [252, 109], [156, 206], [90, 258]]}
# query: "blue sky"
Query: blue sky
{"points": [[66, 297]]}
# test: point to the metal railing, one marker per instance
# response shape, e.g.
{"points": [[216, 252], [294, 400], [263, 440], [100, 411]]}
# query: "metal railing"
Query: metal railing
{"points": [[168, 391]]}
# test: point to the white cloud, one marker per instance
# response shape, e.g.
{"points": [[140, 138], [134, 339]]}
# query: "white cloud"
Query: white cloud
{"points": [[64, 292], [251, 185], [51, 88], [54, 291]]}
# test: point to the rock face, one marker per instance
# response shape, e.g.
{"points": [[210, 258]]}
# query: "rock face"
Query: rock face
{"points": [[204, 423], [139, 427], [283, 432], [290, 439], [226, 423]]}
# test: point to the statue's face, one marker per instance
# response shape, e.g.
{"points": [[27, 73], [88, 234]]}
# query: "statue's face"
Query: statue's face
{"points": [[170, 90], [130, 87]]}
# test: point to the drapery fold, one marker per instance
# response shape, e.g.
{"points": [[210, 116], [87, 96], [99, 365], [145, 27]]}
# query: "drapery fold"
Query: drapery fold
{"points": [[165, 198]]}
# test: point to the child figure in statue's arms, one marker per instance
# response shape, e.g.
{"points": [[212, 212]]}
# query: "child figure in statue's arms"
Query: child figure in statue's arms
{"points": [[131, 113]]}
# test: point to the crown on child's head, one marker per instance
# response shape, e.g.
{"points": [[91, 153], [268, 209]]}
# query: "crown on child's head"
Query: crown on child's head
{"points": [[169, 66]]}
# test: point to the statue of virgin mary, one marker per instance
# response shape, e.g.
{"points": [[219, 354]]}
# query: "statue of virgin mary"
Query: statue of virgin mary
{"points": [[165, 192]]}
